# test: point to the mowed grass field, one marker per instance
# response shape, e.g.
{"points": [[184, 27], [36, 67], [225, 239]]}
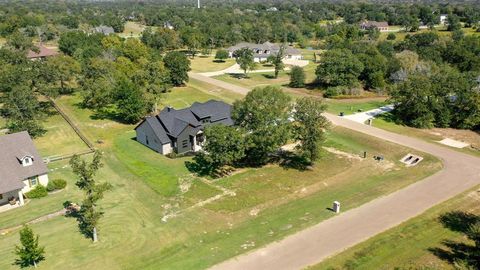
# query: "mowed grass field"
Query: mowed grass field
{"points": [[269, 202], [413, 244], [207, 63]]}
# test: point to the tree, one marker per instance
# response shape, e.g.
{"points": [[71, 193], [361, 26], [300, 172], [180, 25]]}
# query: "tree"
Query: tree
{"points": [[264, 115], [192, 38], [131, 103], [221, 55], [453, 23], [297, 77], [29, 253], [391, 36], [23, 111], [244, 58], [178, 65], [88, 215], [162, 39], [413, 100], [225, 146], [339, 67], [277, 60], [64, 69], [310, 126]]}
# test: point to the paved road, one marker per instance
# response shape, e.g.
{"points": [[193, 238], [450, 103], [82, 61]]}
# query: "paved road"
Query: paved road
{"points": [[310, 246], [228, 86]]}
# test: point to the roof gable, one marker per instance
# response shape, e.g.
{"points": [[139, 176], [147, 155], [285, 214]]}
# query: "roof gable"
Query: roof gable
{"points": [[14, 148]]}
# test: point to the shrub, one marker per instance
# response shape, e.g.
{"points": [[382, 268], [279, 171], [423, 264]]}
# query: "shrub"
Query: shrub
{"points": [[221, 55], [56, 184], [297, 77], [391, 36], [38, 192]]}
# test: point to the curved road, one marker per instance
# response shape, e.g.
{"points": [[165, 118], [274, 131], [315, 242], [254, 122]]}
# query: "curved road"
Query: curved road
{"points": [[310, 246]]}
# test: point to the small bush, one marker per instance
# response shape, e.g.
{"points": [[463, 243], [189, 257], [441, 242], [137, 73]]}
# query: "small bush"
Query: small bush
{"points": [[297, 77], [391, 36], [56, 184], [38, 192]]}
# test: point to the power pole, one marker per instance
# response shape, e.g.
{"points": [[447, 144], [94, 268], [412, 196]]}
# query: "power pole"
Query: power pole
{"points": [[198, 3]]}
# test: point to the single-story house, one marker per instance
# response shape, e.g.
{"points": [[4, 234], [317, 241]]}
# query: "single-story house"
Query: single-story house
{"points": [[43, 52], [262, 51], [381, 26], [21, 167], [181, 131], [103, 29]]}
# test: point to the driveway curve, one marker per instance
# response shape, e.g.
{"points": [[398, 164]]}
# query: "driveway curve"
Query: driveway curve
{"points": [[310, 246]]}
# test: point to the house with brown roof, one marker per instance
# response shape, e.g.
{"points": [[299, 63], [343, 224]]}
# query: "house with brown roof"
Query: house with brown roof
{"points": [[42, 53], [381, 26], [21, 168]]}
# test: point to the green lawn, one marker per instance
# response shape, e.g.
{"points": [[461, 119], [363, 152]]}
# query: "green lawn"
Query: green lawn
{"points": [[61, 135], [132, 29], [270, 202], [207, 64], [411, 244], [351, 106]]}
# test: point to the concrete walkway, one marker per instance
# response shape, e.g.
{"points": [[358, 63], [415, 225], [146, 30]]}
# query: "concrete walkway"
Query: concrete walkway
{"points": [[362, 117], [312, 245]]}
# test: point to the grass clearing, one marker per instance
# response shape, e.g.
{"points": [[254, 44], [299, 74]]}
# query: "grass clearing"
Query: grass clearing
{"points": [[408, 246], [351, 106], [208, 63], [133, 29]]}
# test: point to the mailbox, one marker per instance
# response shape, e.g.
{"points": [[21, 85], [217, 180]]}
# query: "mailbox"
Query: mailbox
{"points": [[336, 207]]}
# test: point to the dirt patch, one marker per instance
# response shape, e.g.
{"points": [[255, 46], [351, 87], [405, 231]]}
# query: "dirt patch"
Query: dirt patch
{"points": [[342, 154], [467, 136]]}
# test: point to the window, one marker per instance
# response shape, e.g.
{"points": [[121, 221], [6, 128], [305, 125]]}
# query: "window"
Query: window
{"points": [[185, 143], [33, 181], [1, 196], [146, 139], [27, 161]]}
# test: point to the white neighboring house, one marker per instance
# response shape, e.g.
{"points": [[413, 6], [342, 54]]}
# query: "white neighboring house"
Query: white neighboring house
{"points": [[262, 51], [443, 19], [21, 167]]}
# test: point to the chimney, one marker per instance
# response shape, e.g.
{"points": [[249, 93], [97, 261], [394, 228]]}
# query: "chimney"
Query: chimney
{"points": [[169, 109]]}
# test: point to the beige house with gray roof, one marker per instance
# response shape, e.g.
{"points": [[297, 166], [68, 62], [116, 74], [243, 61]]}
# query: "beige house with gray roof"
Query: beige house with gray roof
{"points": [[21, 167], [262, 51]]}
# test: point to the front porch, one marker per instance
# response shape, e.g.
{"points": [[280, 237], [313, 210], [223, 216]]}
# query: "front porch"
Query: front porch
{"points": [[11, 200]]}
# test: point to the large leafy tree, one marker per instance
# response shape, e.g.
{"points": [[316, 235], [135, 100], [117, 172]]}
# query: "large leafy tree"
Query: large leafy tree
{"points": [[65, 69], [224, 146], [131, 103], [264, 115], [339, 67], [23, 111], [413, 100], [192, 38], [89, 215], [161, 39], [310, 126], [178, 65], [244, 58], [29, 253]]}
